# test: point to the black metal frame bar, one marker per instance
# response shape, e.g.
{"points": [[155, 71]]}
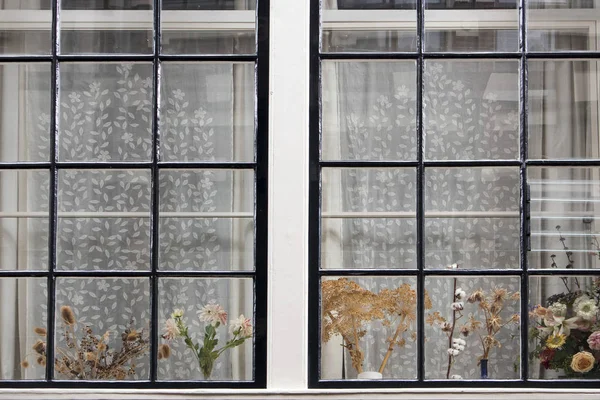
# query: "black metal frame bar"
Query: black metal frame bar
{"points": [[153, 274], [524, 273]]}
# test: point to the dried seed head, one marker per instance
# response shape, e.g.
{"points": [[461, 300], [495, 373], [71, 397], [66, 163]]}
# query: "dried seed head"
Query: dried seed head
{"points": [[101, 346], [40, 331], [165, 350], [41, 360], [25, 364], [39, 347], [90, 356], [67, 315], [132, 336]]}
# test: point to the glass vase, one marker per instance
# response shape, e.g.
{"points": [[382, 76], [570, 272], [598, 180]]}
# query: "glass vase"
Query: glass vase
{"points": [[484, 368]]}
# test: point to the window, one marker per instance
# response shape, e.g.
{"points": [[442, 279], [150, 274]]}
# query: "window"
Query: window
{"points": [[133, 183], [454, 163]]}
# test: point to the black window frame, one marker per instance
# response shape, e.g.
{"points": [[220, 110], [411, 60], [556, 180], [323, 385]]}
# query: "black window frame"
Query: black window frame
{"points": [[259, 166], [420, 273]]}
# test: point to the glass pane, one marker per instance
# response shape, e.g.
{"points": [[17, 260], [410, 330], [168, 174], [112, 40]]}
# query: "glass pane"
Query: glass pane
{"points": [[25, 112], [102, 329], [472, 326], [472, 217], [207, 220], [99, 26], [368, 218], [564, 219], [105, 112], [24, 219], [561, 25], [471, 26], [103, 220], [25, 27], [563, 109], [223, 306], [24, 323], [471, 110], [380, 25], [207, 112], [383, 336], [564, 338], [209, 27], [369, 110]]}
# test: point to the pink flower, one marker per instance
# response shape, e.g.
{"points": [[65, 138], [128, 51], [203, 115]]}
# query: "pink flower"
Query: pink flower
{"points": [[241, 326], [213, 313], [594, 341], [171, 330]]}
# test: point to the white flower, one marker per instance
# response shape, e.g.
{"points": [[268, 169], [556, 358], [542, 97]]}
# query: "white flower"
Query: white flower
{"points": [[558, 309], [240, 326], [453, 352], [459, 305], [460, 294], [456, 377], [586, 309], [213, 313], [171, 330], [459, 341], [453, 266], [177, 313]]}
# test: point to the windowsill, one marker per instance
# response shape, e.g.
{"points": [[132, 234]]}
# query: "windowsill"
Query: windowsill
{"points": [[420, 394]]}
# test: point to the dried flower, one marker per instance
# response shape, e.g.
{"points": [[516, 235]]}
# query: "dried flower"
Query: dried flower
{"points": [[67, 315], [89, 356], [40, 331], [476, 296], [213, 313], [39, 347], [25, 364], [164, 351], [458, 306], [41, 360], [456, 377], [583, 362], [132, 336], [460, 294], [453, 352]]}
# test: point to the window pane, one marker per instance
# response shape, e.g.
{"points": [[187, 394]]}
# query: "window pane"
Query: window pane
{"points": [[194, 297], [564, 217], [472, 217], [373, 303], [471, 26], [563, 109], [563, 329], [24, 219], [102, 329], [25, 112], [103, 220], [379, 25], [471, 110], [105, 112], [369, 110], [472, 319], [25, 27], [207, 112], [96, 26], [209, 27], [368, 218], [207, 220], [561, 26], [24, 323]]}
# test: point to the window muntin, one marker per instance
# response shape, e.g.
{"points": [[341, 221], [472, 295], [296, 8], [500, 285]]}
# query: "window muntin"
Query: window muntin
{"points": [[146, 193], [485, 199]]}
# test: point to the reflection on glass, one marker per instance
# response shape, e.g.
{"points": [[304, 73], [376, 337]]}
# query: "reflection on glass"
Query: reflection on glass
{"points": [[25, 27], [185, 303], [122, 26], [24, 219], [383, 25], [471, 110], [472, 328], [564, 219], [23, 328], [369, 110], [563, 330], [102, 329], [105, 112], [207, 112], [563, 109], [368, 326], [472, 217], [103, 220], [208, 27], [25, 113], [561, 25], [206, 220], [471, 26]]}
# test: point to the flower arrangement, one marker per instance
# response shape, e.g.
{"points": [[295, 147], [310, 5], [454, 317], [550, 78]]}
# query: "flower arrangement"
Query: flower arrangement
{"points": [[215, 316], [566, 332], [347, 308], [91, 357]]}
